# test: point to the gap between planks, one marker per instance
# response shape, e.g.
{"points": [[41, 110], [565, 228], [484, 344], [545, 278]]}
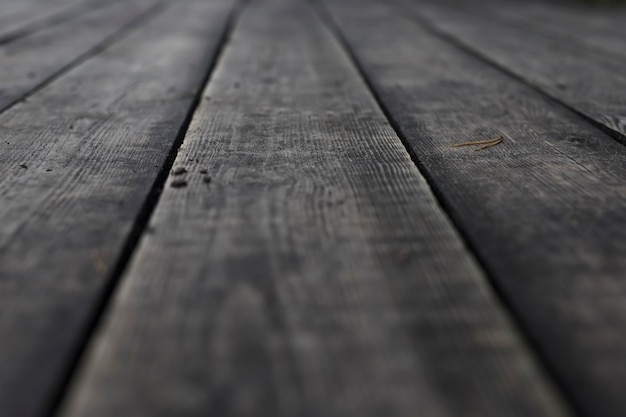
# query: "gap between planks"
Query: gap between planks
{"points": [[53, 18], [603, 180], [135, 24], [164, 86], [607, 123], [519, 325], [140, 226]]}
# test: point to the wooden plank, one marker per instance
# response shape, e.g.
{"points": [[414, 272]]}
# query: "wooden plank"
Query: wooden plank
{"points": [[11, 8], [315, 274], [78, 161], [588, 25], [588, 81], [14, 12], [31, 16], [32, 61], [545, 210]]}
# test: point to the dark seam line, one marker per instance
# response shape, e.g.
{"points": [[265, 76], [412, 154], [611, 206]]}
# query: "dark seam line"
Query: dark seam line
{"points": [[563, 397], [141, 223], [95, 50], [426, 24], [575, 407], [67, 14], [546, 31]]}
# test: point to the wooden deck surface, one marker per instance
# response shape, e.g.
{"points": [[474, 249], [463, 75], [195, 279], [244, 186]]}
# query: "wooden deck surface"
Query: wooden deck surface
{"points": [[257, 208]]}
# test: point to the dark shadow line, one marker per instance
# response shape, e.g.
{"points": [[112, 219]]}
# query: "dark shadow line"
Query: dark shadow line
{"points": [[545, 30], [107, 42], [548, 372], [140, 224], [67, 14], [427, 25]]}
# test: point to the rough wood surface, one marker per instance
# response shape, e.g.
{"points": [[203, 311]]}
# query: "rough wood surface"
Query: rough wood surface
{"points": [[545, 210], [77, 161], [314, 274], [589, 81], [597, 27], [31, 61], [23, 8], [18, 18]]}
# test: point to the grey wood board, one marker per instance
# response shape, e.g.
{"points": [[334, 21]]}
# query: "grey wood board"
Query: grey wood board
{"points": [[314, 275], [545, 210], [77, 161], [594, 26], [12, 8], [589, 81], [32, 16], [31, 61]]}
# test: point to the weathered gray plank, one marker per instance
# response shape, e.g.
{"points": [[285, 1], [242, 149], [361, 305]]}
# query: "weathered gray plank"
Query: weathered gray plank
{"points": [[545, 210], [29, 62], [13, 8], [315, 275], [588, 25], [77, 161], [20, 18], [589, 81]]}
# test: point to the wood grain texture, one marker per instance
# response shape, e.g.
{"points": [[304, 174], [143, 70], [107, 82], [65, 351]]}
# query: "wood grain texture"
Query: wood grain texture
{"points": [[31, 61], [17, 8], [314, 275], [77, 161], [545, 210], [586, 80], [19, 18], [588, 26]]}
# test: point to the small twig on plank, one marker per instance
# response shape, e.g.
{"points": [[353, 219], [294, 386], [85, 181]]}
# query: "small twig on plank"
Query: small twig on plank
{"points": [[488, 143], [494, 143]]}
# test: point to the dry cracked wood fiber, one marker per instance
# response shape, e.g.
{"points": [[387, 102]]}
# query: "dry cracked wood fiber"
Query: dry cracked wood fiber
{"points": [[78, 161], [544, 210], [315, 275]]}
